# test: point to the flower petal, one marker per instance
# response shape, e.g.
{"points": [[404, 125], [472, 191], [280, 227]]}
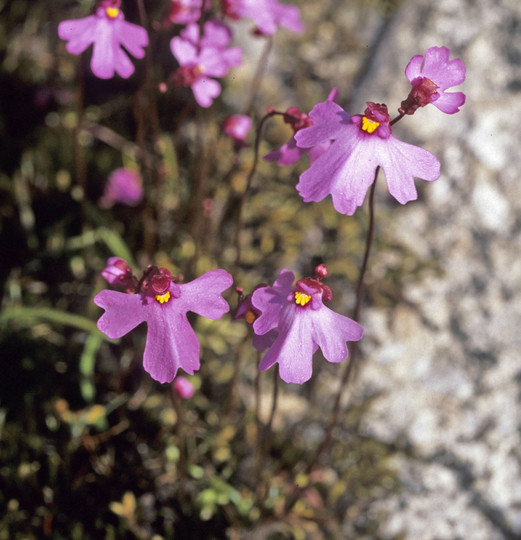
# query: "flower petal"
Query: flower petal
{"points": [[205, 91], [329, 120], [171, 343], [123, 312], [401, 163], [203, 295], [331, 331]]}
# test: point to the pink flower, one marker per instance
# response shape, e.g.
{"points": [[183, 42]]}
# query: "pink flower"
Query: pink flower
{"points": [[290, 153], [163, 304], [201, 59], [361, 143], [268, 15], [108, 32], [237, 126], [304, 324], [246, 311], [123, 186], [118, 274], [184, 11], [183, 387], [430, 77]]}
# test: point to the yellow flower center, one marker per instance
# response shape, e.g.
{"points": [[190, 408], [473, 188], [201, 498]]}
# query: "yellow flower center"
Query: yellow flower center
{"points": [[301, 299], [112, 12], [250, 317], [369, 125], [162, 298]]}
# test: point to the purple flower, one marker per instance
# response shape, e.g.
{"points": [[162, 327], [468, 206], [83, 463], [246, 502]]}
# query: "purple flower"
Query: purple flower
{"points": [[108, 32], [183, 387], [161, 303], [201, 59], [304, 324], [290, 153], [123, 186], [246, 311], [361, 143], [430, 77], [237, 126], [118, 274], [184, 11], [268, 15]]}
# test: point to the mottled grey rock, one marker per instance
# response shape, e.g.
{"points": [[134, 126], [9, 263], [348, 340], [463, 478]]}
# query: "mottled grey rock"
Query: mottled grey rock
{"points": [[446, 363]]}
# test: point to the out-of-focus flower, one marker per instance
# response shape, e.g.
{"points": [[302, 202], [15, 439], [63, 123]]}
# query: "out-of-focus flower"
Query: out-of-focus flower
{"points": [[304, 324], [268, 15], [163, 304], [290, 153], [119, 274], [123, 186], [108, 32], [430, 77], [202, 59], [184, 11], [361, 143], [237, 126], [183, 387]]}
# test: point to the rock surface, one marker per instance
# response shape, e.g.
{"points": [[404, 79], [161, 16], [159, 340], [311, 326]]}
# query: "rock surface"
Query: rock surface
{"points": [[446, 360]]}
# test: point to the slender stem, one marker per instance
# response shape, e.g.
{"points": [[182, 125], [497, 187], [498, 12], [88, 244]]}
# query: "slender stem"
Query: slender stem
{"points": [[335, 414], [249, 181], [259, 73]]}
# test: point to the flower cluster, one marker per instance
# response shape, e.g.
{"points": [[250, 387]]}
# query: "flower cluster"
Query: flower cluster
{"points": [[289, 319], [204, 58]]}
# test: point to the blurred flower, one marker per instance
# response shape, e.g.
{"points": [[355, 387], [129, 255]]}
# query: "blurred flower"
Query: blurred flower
{"points": [[184, 11], [201, 59], [361, 143], [161, 303], [183, 387], [290, 153], [123, 186], [430, 77], [237, 126], [304, 324], [108, 32], [268, 15], [119, 274]]}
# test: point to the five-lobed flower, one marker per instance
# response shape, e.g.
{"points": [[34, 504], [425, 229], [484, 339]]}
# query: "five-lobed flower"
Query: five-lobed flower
{"points": [[108, 32], [201, 58], [304, 324], [361, 144], [163, 304], [430, 76]]}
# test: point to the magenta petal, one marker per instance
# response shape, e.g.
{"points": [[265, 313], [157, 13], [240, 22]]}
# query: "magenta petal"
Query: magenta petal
{"points": [[171, 343], [205, 91], [413, 68], [287, 154], [450, 102], [184, 51], [329, 119], [293, 349], [270, 300], [203, 295], [80, 33], [133, 37], [401, 163], [123, 312], [331, 331]]}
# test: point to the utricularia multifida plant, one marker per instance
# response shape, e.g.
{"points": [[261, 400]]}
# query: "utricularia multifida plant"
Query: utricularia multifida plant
{"points": [[290, 320]]}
